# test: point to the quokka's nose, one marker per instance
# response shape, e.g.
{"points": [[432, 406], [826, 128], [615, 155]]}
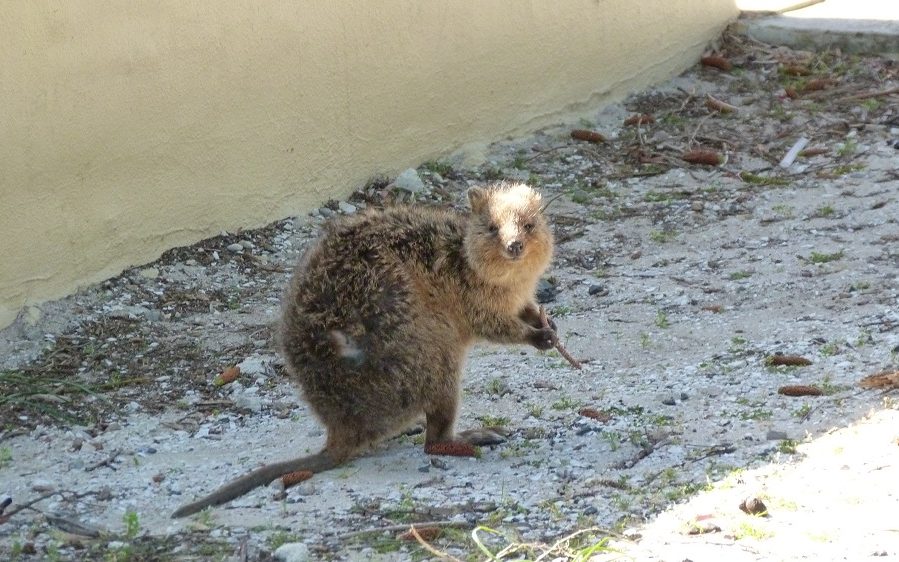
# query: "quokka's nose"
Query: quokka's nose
{"points": [[515, 248]]}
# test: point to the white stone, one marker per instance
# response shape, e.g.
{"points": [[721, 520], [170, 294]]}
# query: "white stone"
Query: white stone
{"points": [[252, 366], [409, 180], [149, 272], [292, 552]]}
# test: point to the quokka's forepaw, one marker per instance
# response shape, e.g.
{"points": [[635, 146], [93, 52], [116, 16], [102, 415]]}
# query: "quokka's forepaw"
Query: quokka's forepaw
{"points": [[543, 338]]}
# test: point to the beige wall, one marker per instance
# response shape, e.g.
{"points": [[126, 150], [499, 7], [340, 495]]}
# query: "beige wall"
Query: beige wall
{"points": [[132, 127]]}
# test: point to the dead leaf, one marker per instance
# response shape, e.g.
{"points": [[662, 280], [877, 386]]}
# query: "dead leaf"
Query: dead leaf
{"points": [[227, 376], [789, 360], [888, 380], [426, 533], [587, 135], [593, 413], [800, 390], [716, 61]]}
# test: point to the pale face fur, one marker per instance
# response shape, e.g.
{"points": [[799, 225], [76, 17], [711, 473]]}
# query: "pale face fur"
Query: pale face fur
{"points": [[508, 241]]}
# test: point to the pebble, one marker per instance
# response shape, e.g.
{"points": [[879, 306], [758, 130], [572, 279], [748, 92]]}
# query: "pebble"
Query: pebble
{"points": [[669, 401], [346, 208], [247, 244], [410, 181], [753, 506], [326, 212], [252, 366], [149, 273], [248, 401], [292, 552], [236, 248], [135, 311], [597, 290], [774, 435]]}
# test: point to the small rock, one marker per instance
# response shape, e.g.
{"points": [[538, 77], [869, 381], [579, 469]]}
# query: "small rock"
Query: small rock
{"points": [[248, 401], [697, 206], [126, 312], [669, 401], [215, 255], [753, 506], [247, 244], [597, 290], [252, 366], [546, 291], [149, 273], [410, 181], [236, 248], [437, 462], [424, 468], [774, 435], [684, 396], [346, 208], [702, 527], [514, 174], [326, 212], [292, 552]]}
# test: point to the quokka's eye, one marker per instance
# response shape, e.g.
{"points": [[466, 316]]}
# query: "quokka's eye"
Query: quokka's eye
{"points": [[493, 229], [529, 226]]}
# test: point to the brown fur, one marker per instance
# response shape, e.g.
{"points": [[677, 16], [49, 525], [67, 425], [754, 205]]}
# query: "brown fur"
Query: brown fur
{"points": [[378, 319]]}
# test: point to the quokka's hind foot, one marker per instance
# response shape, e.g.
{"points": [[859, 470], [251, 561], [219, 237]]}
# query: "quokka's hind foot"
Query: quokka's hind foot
{"points": [[466, 443]]}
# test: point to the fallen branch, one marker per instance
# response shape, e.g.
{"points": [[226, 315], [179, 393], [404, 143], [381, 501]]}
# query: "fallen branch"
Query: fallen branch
{"points": [[427, 546], [402, 527], [558, 345], [715, 104], [6, 516], [867, 95], [105, 462]]}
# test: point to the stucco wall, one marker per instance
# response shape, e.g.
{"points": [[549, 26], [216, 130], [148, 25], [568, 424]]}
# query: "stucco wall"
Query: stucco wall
{"points": [[132, 127]]}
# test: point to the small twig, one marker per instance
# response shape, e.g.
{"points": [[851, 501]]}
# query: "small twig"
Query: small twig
{"points": [[6, 516], [403, 527], [12, 433], [425, 545], [558, 345], [866, 95], [565, 540], [715, 104], [547, 151], [105, 462]]}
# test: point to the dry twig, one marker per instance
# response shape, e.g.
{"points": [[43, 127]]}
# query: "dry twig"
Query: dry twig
{"points": [[105, 462], [403, 527], [558, 345], [427, 546]]}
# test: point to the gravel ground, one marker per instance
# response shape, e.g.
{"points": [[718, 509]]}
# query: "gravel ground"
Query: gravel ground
{"points": [[676, 283]]}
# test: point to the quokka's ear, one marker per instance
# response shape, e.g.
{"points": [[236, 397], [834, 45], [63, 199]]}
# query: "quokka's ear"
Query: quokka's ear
{"points": [[477, 197]]}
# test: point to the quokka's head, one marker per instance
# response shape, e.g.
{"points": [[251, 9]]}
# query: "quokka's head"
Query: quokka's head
{"points": [[507, 231]]}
